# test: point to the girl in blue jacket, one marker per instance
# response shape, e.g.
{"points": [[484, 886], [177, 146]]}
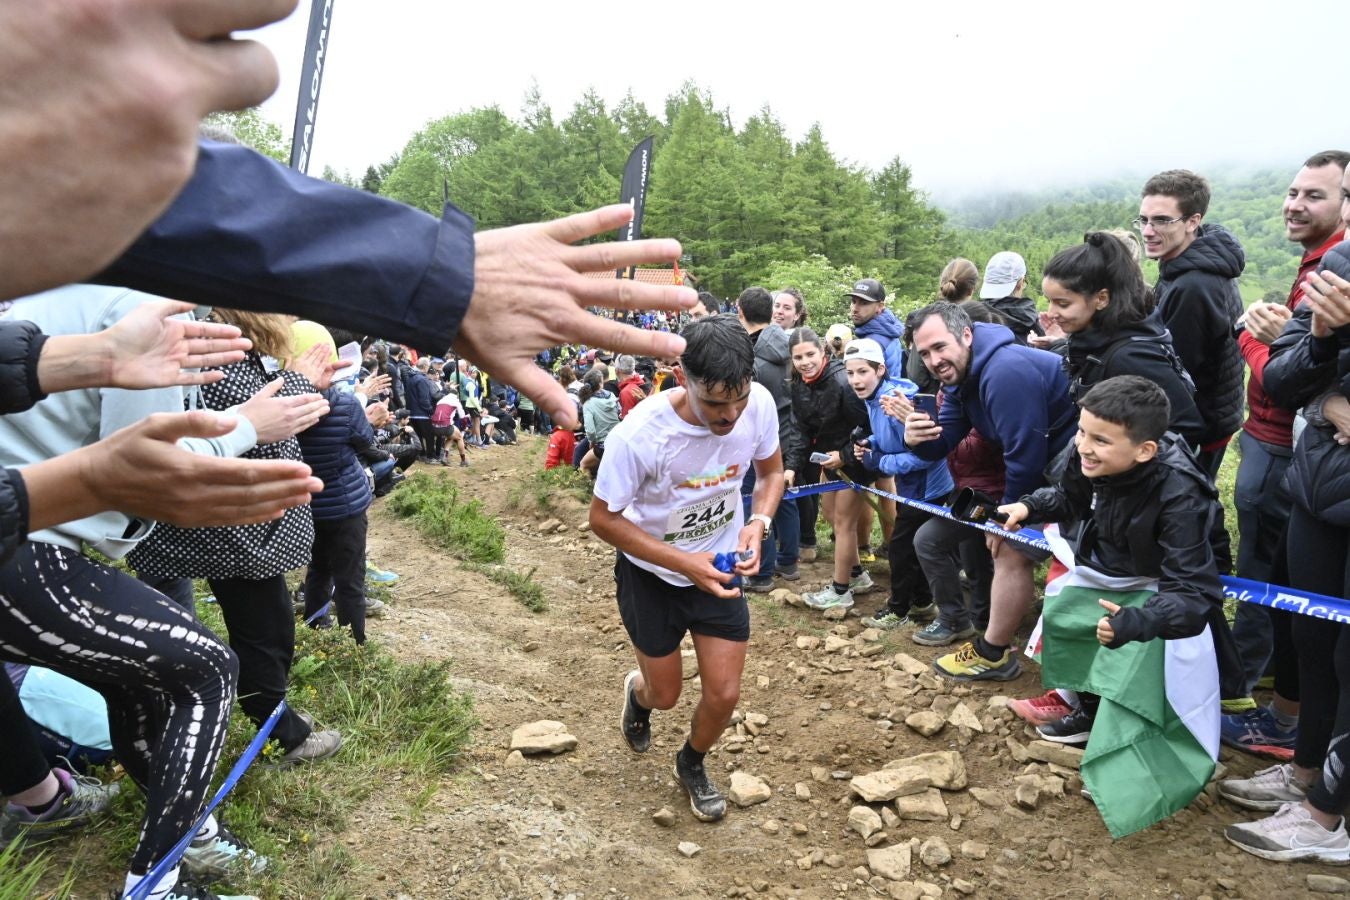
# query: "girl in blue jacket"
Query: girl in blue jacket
{"points": [[911, 599]]}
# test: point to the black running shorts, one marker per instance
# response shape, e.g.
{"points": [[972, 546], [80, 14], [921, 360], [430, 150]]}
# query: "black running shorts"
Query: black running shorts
{"points": [[657, 614]]}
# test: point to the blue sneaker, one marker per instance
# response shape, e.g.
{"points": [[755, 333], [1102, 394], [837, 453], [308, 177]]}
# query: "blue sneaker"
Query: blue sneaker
{"points": [[378, 575], [1259, 732]]}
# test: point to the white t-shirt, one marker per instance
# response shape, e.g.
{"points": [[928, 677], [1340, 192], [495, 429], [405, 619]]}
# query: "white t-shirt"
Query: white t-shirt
{"points": [[681, 483]]}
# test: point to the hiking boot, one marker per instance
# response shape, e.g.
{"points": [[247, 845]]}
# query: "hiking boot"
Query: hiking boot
{"points": [[705, 799], [1260, 733], [966, 664], [1291, 834], [636, 731], [788, 573], [1075, 728], [80, 800], [807, 553], [759, 584], [379, 576], [940, 634], [222, 855], [375, 609], [319, 745], [1268, 789], [1049, 707], [862, 584], [827, 598]]}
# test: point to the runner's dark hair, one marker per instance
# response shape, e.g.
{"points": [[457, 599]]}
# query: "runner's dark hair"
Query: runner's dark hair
{"points": [[718, 353], [1134, 403], [1100, 263], [756, 304]]}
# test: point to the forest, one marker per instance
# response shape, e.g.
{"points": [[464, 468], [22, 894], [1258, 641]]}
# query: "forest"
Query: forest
{"points": [[756, 205]]}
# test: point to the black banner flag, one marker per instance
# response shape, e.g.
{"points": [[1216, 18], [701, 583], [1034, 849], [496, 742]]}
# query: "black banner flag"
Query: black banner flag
{"points": [[634, 193], [311, 79]]}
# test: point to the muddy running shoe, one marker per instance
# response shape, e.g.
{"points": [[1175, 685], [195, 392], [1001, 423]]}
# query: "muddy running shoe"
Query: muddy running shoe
{"points": [[375, 609], [1268, 789], [863, 584], [705, 800], [884, 619], [637, 731], [1075, 728], [319, 745], [788, 573], [1042, 710], [939, 634], [81, 800], [1260, 733], [759, 584], [222, 855], [1291, 834], [966, 664], [827, 598]]}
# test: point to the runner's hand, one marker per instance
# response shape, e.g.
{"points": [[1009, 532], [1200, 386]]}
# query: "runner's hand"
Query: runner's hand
{"points": [[528, 284], [1105, 633], [706, 577], [749, 539]]}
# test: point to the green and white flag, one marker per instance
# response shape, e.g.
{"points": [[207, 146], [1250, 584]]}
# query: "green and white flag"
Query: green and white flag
{"points": [[1156, 736]]}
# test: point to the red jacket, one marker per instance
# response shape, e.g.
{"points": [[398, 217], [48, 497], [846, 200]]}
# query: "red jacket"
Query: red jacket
{"points": [[562, 446], [1266, 421], [627, 393]]}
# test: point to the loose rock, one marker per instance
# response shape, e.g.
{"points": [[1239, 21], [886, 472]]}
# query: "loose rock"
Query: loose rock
{"points": [[544, 736], [962, 717], [925, 807], [974, 850], [1028, 796], [864, 820], [1047, 751], [945, 768], [925, 722], [807, 642], [747, 789], [887, 784], [688, 849], [802, 791], [891, 862], [934, 852], [664, 817], [909, 665], [1328, 884], [514, 759]]}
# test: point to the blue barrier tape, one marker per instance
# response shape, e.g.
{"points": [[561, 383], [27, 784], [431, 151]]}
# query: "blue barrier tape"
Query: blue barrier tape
{"points": [[319, 613], [807, 490], [150, 881], [1307, 603]]}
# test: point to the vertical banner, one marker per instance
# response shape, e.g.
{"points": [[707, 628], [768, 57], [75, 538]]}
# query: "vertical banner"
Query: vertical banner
{"points": [[634, 193], [311, 79]]}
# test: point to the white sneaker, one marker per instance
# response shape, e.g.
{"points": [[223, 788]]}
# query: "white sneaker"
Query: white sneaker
{"points": [[1291, 834], [863, 584], [1268, 789], [826, 598]]}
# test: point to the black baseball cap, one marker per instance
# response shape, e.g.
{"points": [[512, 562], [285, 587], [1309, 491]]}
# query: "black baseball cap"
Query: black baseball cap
{"points": [[868, 290]]}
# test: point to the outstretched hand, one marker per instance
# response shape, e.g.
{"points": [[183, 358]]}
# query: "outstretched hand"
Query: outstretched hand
{"points": [[528, 285], [150, 349]]}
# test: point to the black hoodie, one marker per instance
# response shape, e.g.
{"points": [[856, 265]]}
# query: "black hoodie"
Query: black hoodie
{"points": [[1199, 303]]}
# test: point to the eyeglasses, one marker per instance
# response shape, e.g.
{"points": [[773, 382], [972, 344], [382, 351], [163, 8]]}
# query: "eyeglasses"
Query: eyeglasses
{"points": [[1157, 222]]}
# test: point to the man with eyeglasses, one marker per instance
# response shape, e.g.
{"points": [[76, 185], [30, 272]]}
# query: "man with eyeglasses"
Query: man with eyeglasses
{"points": [[1198, 299]]}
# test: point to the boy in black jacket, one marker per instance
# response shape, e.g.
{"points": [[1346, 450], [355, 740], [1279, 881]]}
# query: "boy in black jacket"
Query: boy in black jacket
{"points": [[1134, 502]]}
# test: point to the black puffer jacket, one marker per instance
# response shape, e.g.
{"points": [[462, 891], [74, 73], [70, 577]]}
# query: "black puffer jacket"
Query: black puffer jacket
{"points": [[1019, 314], [338, 448], [1199, 303], [1301, 369], [20, 346], [1160, 519], [1145, 350], [825, 412]]}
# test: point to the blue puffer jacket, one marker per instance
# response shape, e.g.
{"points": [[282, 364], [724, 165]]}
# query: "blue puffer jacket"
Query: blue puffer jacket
{"points": [[421, 403], [1016, 397], [886, 330], [338, 448], [918, 479]]}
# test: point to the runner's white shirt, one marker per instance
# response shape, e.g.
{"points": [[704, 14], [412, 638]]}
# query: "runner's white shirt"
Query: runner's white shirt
{"points": [[681, 483]]}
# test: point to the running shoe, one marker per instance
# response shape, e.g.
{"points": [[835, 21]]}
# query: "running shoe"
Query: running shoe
{"points": [[1289, 835], [1075, 728], [379, 576], [885, 620], [939, 634], [1260, 733], [187, 889], [788, 572], [1238, 705], [827, 598], [82, 799], [319, 745], [759, 584], [705, 799], [375, 609], [1268, 789], [1042, 710], [636, 730], [966, 664], [865, 554], [862, 584], [222, 855]]}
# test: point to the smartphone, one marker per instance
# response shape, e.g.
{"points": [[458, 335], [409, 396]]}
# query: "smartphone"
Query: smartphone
{"points": [[925, 403], [819, 458]]}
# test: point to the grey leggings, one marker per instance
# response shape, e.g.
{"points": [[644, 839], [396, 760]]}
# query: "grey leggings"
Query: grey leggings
{"points": [[167, 680]]}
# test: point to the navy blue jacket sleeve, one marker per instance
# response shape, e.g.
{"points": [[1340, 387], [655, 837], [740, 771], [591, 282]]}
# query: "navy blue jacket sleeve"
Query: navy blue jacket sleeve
{"points": [[249, 233]]}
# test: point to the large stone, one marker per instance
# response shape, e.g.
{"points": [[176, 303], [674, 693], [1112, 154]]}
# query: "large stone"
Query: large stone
{"points": [[925, 722], [544, 736], [747, 789], [934, 852], [887, 784], [1060, 754], [987, 797], [864, 820], [891, 862], [926, 807], [1028, 795], [1328, 884], [909, 665], [962, 717], [834, 643], [664, 817], [946, 769], [974, 850], [807, 642], [782, 596]]}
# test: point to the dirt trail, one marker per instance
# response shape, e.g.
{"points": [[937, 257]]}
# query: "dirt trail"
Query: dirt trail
{"points": [[580, 824]]}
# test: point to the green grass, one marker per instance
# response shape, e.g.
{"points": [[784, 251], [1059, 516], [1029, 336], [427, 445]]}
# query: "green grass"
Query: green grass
{"points": [[21, 873], [522, 586], [459, 525], [544, 487]]}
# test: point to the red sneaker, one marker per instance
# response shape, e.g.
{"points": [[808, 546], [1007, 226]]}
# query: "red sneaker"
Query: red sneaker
{"points": [[1042, 710]]}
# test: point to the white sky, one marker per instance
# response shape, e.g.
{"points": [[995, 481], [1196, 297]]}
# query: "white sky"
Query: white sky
{"points": [[973, 95]]}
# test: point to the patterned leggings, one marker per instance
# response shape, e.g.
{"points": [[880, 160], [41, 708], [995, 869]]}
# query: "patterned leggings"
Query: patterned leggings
{"points": [[168, 681]]}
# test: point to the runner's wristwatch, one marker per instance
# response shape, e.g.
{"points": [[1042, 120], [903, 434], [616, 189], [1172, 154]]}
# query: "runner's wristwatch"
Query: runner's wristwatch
{"points": [[760, 517]]}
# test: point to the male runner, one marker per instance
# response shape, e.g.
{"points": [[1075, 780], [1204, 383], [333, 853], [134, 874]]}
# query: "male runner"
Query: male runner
{"points": [[668, 498]]}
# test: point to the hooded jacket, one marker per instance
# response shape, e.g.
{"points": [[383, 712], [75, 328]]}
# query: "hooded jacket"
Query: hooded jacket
{"points": [[918, 479], [1302, 369], [1159, 519], [1143, 349], [1018, 398], [825, 412], [1020, 313], [1199, 303], [338, 448], [772, 366], [886, 330]]}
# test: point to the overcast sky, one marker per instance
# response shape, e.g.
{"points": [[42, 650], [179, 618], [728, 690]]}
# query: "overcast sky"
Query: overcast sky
{"points": [[975, 96]]}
